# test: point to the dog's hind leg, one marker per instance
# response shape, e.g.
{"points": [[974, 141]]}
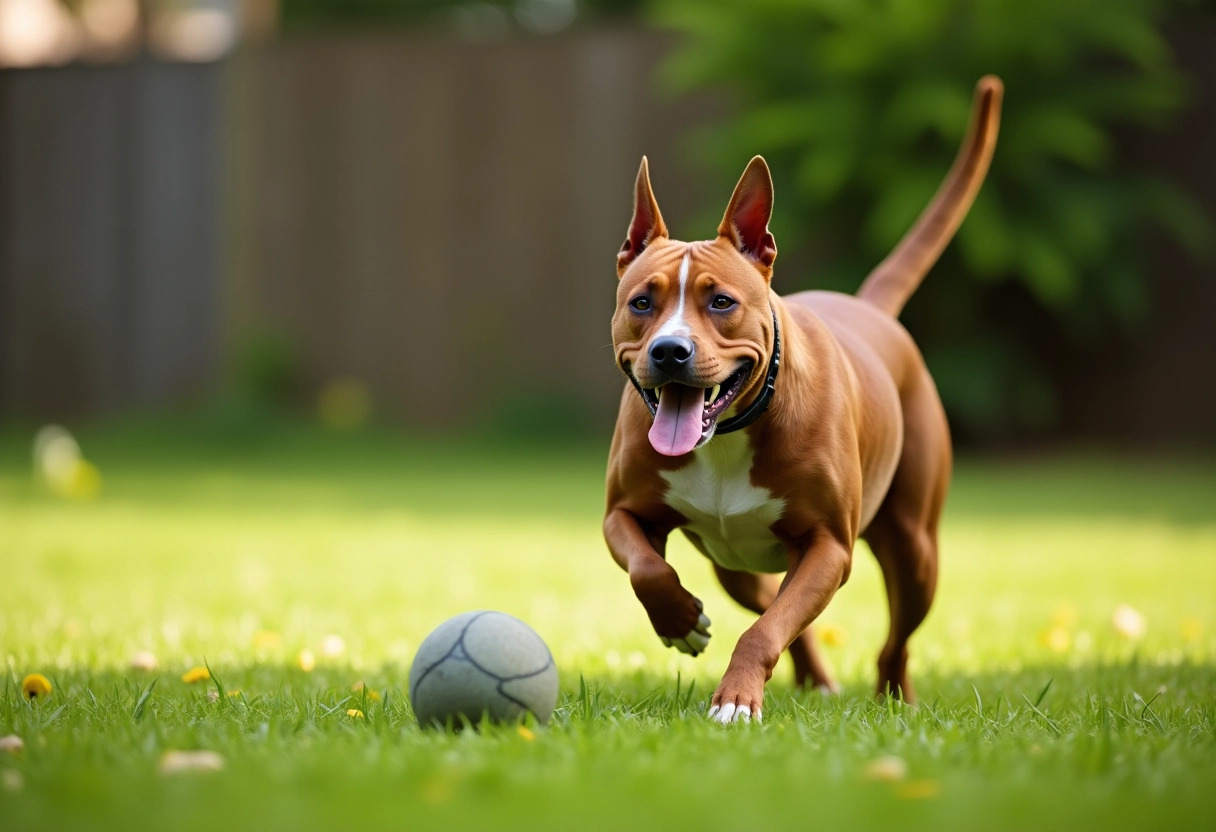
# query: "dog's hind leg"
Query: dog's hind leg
{"points": [[903, 535], [755, 592]]}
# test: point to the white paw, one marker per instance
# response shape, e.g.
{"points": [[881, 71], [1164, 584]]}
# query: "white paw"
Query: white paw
{"points": [[728, 713], [695, 642]]}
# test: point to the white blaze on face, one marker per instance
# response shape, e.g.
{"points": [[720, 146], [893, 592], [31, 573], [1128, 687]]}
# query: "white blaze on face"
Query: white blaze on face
{"points": [[676, 325]]}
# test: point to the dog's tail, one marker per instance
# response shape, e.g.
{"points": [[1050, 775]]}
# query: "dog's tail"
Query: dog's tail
{"points": [[895, 279]]}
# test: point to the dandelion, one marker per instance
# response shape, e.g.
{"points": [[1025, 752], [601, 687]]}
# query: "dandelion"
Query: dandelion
{"points": [[196, 674], [355, 713], [918, 789], [83, 483], [831, 635], [1192, 628], [332, 646], [35, 686], [526, 733], [361, 687], [12, 744], [886, 769], [233, 694], [143, 660], [1129, 623], [307, 661], [1056, 639], [181, 762]]}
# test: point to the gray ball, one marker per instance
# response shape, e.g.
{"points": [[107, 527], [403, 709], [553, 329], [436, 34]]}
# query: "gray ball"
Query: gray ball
{"points": [[479, 664]]}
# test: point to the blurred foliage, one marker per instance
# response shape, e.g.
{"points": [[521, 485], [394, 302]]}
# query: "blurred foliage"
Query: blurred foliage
{"points": [[263, 382], [267, 366], [859, 107]]}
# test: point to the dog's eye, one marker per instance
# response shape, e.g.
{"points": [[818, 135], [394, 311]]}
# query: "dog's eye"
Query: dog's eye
{"points": [[723, 302], [640, 303]]}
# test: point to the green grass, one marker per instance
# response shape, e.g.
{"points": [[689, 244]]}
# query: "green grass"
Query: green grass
{"points": [[201, 540]]}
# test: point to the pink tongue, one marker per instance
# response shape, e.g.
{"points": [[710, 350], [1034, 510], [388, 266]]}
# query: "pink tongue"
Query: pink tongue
{"points": [[677, 425]]}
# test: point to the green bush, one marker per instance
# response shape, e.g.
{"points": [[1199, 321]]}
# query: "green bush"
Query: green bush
{"points": [[859, 106]]}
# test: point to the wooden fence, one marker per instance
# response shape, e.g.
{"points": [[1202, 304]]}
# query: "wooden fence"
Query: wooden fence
{"points": [[437, 218], [109, 236]]}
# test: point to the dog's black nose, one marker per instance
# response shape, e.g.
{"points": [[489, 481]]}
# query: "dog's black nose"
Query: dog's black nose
{"points": [[671, 353]]}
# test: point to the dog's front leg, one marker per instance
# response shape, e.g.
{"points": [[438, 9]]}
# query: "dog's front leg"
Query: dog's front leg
{"points": [[675, 613], [808, 586]]}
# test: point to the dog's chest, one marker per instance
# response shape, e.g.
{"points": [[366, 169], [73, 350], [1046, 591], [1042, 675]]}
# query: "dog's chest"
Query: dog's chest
{"points": [[731, 518]]}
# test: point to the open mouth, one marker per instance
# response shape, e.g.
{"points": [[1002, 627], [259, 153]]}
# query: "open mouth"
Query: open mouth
{"points": [[685, 417]]}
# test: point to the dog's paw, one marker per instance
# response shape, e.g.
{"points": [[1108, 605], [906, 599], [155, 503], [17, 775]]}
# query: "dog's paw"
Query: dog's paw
{"points": [[738, 699], [695, 642], [728, 713], [675, 613]]}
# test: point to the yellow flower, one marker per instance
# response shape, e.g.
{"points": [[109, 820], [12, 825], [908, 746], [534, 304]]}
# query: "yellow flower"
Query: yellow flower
{"points": [[831, 635], [526, 733], [1056, 639], [85, 481], [359, 687], [234, 693], [355, 713], [35, 686], [196, 674], [307, 661]]}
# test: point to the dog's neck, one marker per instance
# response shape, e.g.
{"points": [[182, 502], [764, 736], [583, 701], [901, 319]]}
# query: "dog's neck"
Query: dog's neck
{"points": [[767, 390]]}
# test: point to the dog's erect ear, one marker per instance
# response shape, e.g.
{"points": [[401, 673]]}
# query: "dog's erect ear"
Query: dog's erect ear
{"points": [[746, 221], [646, 225]]}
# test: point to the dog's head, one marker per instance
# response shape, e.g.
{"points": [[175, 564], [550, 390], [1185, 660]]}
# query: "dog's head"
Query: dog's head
{"points": [[693, 326]]}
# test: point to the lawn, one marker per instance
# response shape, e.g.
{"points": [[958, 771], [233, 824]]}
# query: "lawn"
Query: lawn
{"points": [[240, 550]]}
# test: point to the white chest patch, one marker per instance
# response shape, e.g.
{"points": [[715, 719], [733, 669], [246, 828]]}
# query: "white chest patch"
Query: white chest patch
{"points": [[732, 517]]}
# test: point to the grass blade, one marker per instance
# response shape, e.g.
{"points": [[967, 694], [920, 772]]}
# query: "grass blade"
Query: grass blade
{"points": [[1043, 692], [137, 713], [1055, 729]]}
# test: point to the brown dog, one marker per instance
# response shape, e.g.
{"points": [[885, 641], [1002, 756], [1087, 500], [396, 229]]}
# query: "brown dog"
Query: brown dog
{"points": [[775, 431]]}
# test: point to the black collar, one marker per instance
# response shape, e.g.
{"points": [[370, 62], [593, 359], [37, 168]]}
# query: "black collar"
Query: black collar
{"points": [[756, 409]]}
